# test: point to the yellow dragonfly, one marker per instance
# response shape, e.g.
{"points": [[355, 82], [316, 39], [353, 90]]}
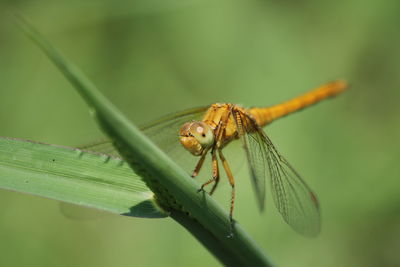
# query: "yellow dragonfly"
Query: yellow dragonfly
{"points": [[208, 130]]}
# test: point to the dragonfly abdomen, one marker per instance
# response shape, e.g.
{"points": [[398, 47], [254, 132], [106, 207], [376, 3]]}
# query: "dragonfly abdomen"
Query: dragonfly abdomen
{"points": [[264, 116]]}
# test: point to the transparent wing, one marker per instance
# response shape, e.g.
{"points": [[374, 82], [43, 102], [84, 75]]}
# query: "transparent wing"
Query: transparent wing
{"points": [[255, 153], [165, 134], [103, 146], [295, 201]]}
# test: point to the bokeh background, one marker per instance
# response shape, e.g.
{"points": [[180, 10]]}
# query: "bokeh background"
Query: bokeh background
{"points": [[153, 57]]}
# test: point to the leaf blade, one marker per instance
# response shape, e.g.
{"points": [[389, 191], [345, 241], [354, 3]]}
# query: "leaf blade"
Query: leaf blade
{"points": [[76, 177]]}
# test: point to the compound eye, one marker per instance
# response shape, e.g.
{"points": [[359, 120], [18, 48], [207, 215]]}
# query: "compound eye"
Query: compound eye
{"points": [[203, 133]]}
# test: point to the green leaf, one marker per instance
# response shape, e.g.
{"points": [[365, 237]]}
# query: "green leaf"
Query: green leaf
{"points": [[75, 176], [173, 187]]}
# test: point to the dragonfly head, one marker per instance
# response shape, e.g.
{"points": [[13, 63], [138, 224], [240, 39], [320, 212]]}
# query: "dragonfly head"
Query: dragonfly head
{"points": [[196, 137]]}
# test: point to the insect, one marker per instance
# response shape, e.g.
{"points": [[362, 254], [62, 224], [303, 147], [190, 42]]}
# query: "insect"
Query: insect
{"points": [[209, 130]]}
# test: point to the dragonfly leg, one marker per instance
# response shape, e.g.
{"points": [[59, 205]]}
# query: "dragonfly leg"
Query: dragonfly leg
{"points": [[232, 183], [215, 173], [199, 164], [214, 186], [219, 134]]}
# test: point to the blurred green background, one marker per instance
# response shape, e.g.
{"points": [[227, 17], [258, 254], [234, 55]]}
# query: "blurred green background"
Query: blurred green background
{"points": [[153, 57]]}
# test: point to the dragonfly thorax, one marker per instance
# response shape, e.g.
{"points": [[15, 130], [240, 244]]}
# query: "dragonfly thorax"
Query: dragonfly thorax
{"points": [[196, 137]]}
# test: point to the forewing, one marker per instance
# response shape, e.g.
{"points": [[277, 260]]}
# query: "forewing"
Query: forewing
{"points": [[103, 146], [165, 134], [256, 155], [293, 198]]}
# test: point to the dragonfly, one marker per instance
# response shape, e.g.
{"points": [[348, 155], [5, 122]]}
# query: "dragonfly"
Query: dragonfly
{"points": [[207, 131]]}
